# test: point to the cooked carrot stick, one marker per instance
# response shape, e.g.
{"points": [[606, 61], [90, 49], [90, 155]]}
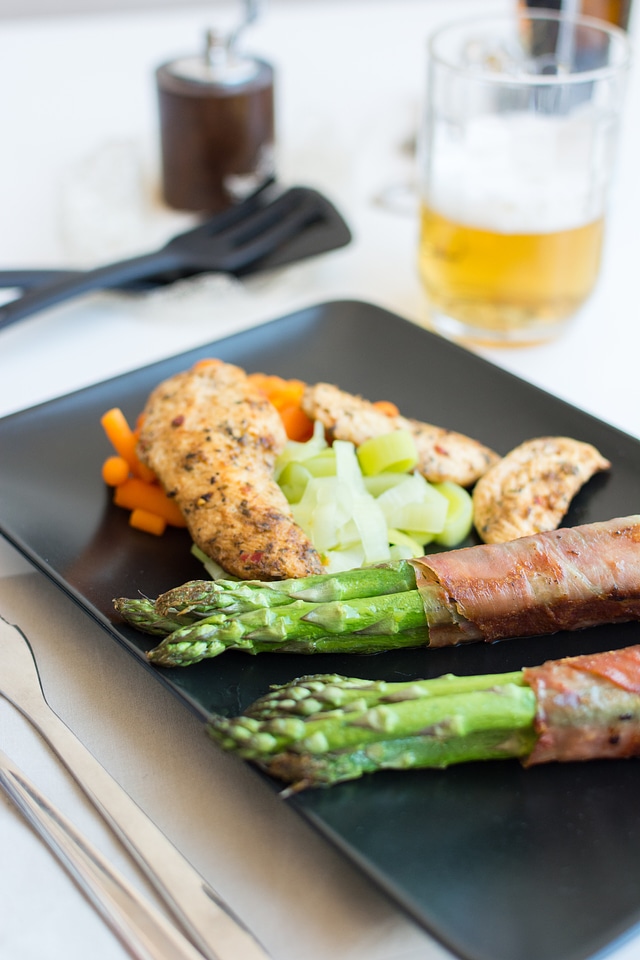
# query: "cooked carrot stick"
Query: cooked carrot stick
{"points": [[206, 362], [147, 522], [115, 470], [135, 493], [266, 382], [120, 434], [280, 392], [388, 407], [286, 397], [123, 439], [298, 426]]}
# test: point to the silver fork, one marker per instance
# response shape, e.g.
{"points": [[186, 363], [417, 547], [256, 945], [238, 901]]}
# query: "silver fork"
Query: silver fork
{"points": [[206, 921]]}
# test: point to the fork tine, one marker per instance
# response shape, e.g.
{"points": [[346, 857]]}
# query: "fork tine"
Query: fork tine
{"points": [[221, 222], [259, 234], [263, 219]]}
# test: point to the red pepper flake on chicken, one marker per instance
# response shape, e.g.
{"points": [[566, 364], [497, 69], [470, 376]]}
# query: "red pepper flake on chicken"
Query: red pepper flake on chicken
{"points": [[212, 438]]}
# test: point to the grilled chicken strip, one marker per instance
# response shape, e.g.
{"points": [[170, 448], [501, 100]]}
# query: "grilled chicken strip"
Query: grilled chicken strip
{"points": [[443, 454], [529, 490], [212, 438]]}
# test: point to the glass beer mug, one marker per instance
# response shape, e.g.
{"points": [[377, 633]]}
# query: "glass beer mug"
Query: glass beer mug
{"points": [[516, 155]]}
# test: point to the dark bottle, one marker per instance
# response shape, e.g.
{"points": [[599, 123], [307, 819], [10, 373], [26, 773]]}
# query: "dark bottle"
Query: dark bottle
{"points": [[216, 127], [615, 12]]}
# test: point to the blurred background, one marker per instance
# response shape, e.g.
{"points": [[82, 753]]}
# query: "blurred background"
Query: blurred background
{"points": [[44, 8]]}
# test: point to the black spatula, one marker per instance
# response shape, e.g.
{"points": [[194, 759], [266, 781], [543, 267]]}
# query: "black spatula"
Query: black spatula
{"points": [[270, 229]]}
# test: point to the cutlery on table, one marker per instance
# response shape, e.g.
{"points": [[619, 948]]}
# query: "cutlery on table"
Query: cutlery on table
{"points": [[32, 279], [208, 923], [270, 228], [146, 933]]}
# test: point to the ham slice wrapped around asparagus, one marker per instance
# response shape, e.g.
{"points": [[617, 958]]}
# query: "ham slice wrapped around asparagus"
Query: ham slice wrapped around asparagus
{"points": [[320, 730], [587, 706], [565, 579]]}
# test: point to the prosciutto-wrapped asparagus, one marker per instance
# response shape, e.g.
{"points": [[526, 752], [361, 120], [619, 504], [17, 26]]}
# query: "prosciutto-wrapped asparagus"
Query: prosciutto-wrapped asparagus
{"points": [[565, 579], [320, 730]]}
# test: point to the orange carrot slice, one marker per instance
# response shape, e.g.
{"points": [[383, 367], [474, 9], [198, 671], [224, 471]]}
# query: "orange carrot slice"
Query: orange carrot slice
{"points": [[115, 471], [298, 426], [286, 397], [135, 493], [206, 362], [147, 522], [280, 392], [123, 439], [120, 434], [388, 407]]}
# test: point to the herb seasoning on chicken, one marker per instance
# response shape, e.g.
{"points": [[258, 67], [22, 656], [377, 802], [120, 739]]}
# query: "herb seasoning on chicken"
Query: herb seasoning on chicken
{"points": [[530, 490], [211, 437], [442, 454]]}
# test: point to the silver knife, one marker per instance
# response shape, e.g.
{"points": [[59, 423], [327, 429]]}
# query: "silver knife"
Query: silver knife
{"points": [[145, 932], [209, 924]]}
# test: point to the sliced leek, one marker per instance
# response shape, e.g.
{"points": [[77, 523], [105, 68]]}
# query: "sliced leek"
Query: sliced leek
{"points": [[394, 451], [459, 514], [362, 508]]}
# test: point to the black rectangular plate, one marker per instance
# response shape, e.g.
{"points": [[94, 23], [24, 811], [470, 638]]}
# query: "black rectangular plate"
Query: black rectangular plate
{"points": [[497, 862]]}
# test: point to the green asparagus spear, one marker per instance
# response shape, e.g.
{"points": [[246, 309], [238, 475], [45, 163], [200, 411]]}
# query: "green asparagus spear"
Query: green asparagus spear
{"points": [[205, 597], [141, 613], [324, 693], [323, 729], [533, 585], [362, 625], [201, 599], [319, 730]]}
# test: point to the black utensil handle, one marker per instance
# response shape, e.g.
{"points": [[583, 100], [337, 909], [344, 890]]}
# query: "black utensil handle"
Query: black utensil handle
{"points": [[99, 279], [29, 279]]}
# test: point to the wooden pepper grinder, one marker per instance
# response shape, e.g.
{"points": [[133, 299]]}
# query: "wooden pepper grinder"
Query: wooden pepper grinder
{"points": [[216, 125]]}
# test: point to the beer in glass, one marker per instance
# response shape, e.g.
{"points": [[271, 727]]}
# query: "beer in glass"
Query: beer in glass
{"points": [[516, 158]]}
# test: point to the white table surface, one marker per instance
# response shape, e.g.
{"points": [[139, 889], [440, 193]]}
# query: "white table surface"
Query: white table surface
{"points": [[77, 90]]}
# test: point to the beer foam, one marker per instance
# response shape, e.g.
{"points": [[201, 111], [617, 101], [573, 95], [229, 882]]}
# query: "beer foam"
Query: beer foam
{"points": [[521, 173]]}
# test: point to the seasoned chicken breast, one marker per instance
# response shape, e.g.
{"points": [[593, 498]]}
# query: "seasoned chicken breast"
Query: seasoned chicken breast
{"points": [[529, 490], [212, 438], [443, 454]]}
